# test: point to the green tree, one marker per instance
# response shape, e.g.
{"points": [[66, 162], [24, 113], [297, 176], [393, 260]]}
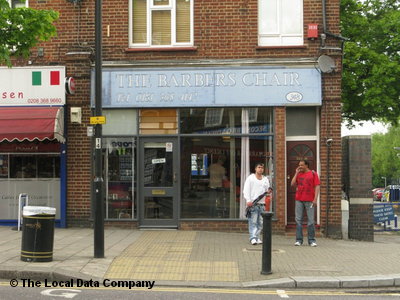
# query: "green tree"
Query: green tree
{"points": [[23, 28], [371, 62], [385, 162]]}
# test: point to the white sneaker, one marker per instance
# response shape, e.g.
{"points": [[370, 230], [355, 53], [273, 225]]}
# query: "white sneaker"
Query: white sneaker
{"points": [[253, 241], [259, 241], [313, 244], [297, 244]]}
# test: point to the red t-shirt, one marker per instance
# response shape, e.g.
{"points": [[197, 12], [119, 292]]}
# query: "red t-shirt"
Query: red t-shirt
{"points": [[306, 183]]}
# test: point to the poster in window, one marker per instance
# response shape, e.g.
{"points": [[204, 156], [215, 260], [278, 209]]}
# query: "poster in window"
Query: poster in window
{"points": [[3, 166]]}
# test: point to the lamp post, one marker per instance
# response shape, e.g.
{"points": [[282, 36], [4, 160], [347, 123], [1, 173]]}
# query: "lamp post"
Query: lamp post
{"points": [[98, 166]]}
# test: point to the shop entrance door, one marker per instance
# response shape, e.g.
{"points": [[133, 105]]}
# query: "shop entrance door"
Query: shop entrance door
{"points": [[299, 150], [158, 182]]}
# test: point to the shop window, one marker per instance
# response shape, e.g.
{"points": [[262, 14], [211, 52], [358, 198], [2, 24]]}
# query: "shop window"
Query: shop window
{"points": [[17, 3], [301, 121], [213, 171], [34, 166], [120, 122], [226, 120], [157, 23], [120, 154], [4, 166], [280, 22], [158, 121]]}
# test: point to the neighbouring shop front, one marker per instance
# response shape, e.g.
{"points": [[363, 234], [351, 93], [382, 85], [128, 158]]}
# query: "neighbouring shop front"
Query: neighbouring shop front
{"points": [[32, 140], [179, 142]]}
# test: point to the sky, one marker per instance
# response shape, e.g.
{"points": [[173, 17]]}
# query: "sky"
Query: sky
{"points": [[368, 128]]}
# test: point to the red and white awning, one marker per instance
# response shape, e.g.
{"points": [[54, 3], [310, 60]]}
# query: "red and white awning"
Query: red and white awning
{"points": [[31, 123]]}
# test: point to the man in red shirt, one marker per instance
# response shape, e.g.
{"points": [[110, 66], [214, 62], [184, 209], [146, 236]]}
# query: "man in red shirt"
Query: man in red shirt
{"points": [[307, 182]]}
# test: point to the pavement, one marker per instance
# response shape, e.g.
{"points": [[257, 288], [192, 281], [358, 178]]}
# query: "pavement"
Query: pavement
{"points": [[207, 259]]}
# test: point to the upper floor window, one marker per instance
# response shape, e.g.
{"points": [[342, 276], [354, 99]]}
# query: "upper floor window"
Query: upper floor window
{"points": [[157, 23], [18, 3], [280, 22]]}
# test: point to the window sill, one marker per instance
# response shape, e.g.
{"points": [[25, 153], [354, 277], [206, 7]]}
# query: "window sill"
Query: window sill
{"points": [[280, 47], [161, 49]]}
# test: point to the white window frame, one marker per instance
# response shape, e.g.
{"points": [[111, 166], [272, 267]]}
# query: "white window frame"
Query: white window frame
{"points": [[279, 38], [150, 9], [26, 4], [213, 117]]}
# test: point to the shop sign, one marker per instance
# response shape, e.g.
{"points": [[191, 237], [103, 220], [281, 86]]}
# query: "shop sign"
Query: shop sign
{"points": [[208, 87], [30, 86]]}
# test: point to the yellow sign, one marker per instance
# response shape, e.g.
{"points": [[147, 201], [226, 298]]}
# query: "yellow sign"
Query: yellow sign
{"points": [[158, 192], [98, 120]]}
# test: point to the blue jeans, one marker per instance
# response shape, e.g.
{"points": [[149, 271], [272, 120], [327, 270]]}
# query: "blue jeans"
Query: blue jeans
{"points": [[255, 221], [300, 206]]}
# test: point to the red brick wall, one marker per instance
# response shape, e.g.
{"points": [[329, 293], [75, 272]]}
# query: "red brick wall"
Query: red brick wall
{"points": [[224, 29]]}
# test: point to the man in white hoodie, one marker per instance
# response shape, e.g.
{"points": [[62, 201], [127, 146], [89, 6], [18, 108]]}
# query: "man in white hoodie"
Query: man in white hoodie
{"points": [[255, 185]]}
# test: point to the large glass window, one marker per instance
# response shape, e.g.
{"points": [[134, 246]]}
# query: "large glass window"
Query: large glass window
{"points": [[33, 166], [120, 168], [161, 23], [280, 22], [219, 149], [213, 171]]}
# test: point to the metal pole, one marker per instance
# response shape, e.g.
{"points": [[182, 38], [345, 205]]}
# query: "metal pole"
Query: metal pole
{"points": [[98, 169], [267, 241]]}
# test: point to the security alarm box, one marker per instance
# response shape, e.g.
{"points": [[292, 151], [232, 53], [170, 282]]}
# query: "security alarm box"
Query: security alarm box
{"points": [[312, 32]]}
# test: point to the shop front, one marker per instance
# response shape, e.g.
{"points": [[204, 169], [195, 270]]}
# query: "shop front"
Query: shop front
{"points": [[179, 142], [32, 140]]}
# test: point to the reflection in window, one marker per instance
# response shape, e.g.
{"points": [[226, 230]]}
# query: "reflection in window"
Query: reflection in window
{"points": [[213, 170], [34, 166], [225, 120], [120, 156]]}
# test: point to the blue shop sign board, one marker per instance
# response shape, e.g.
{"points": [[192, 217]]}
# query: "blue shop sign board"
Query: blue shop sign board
{"points": [[383, 212], [209, 87]]}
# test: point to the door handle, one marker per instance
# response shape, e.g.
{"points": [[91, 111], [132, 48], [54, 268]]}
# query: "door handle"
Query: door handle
{"points": [[174, 178]]}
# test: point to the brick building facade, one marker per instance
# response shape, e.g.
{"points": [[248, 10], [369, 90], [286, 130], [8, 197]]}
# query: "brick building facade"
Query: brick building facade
{"points": [[227, 39]]}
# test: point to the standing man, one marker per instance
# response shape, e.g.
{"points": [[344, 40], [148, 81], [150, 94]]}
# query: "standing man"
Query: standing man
{"points": [[256, 185], [217, 175], [307, 182]]}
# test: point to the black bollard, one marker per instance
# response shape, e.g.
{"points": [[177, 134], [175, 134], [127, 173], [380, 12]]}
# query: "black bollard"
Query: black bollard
{"points": [[267, 239]]}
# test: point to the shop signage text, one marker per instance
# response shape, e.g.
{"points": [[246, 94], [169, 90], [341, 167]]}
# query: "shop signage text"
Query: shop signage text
{"points": [[30, 86], [207, 87]]}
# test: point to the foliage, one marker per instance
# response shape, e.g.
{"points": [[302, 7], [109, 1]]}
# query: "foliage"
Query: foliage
{"points": [[371, 62], [23, 28], [385, 162]]}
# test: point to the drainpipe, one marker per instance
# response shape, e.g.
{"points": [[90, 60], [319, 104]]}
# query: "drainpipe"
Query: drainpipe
{"points": [[325, 27]]}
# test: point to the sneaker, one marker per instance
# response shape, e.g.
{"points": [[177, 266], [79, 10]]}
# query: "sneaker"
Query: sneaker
{"points": [[253, 241], [313, 244], [297, 243], [258, 241]]}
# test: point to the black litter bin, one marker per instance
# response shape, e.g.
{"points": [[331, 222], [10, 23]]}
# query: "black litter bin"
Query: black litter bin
{"points": [[37, 233]]}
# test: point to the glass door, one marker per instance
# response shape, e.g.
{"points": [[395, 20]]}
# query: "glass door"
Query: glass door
{"points": [[158, 182]]}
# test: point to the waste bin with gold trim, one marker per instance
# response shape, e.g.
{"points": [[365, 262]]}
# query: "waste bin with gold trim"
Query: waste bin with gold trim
{"points": [[38, 233]]}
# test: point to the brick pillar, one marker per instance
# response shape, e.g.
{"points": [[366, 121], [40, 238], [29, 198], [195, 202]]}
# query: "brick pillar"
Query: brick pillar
{"points": [[357, 183]]}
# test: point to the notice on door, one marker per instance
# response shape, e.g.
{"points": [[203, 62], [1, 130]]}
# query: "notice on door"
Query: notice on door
{"points": [[158, 161], [168, 147]]}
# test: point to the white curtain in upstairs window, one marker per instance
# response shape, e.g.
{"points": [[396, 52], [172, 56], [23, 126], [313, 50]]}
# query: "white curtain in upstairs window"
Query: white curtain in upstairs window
{"points": [[280, 22]]}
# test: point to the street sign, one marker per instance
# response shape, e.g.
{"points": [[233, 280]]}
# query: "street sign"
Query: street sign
{"points": [[98, 120]]}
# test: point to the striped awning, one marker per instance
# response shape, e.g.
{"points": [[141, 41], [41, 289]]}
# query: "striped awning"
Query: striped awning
{"points": [[31, 123]]}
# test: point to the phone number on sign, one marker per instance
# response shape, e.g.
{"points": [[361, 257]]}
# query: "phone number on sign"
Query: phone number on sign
{"points": [[45, 100]]}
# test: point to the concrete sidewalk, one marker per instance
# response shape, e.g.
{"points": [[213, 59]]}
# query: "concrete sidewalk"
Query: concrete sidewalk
{"points": [[212, 259]]}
